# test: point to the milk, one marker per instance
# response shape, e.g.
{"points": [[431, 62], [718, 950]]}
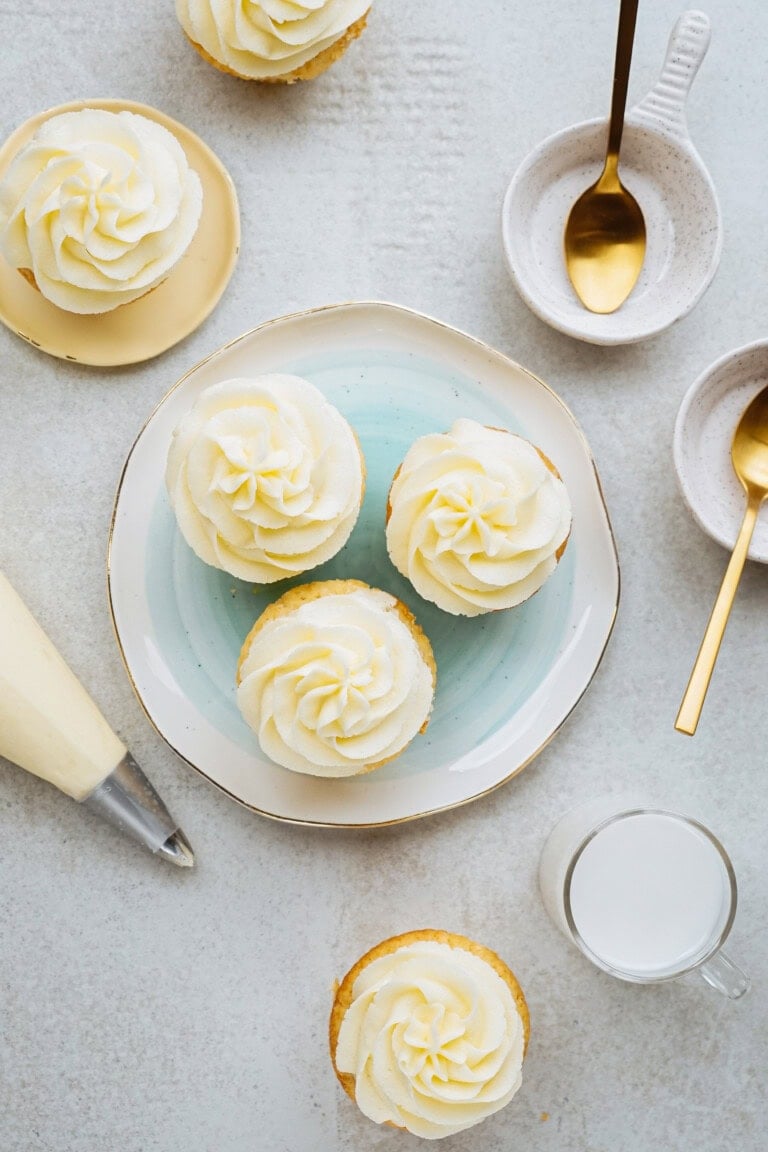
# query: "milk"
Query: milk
{"points": [[48, 723], [649, 895]]}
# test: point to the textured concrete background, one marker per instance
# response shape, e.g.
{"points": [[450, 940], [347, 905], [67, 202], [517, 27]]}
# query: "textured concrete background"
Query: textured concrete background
{"points": [[146, 1010]]}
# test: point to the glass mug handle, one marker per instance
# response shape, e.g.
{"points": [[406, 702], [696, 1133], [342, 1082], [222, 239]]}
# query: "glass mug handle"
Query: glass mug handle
{"points": [[722, 974]]}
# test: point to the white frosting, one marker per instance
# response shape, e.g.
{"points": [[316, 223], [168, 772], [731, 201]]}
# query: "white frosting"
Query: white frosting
{"points": [[476, 519], [336, 685], [433, 1038], [100, 206], [260, 39], [265, 477]]}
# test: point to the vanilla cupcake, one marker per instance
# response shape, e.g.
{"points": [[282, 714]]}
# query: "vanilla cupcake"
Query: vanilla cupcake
{"points": [[97, 208], [274, 41], [266, 477], [428, 1032], [335, 678], [477, 518]]}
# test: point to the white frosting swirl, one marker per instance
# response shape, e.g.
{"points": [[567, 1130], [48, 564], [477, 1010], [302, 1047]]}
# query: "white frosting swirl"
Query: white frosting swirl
{"points": [[99, 205], [434, 1040], [337, 685], [262, 39], [265, 477], [477, 519]]}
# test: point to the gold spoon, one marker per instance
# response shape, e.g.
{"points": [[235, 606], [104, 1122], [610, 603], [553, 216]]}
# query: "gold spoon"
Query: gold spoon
{"points": [[749, 453], [605, 231]]}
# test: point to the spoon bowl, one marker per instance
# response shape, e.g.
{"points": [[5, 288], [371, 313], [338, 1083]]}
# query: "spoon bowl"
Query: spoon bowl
{"points": [[605, 244], [709, 412], [605, 230], [749, 455], [662, 170], [749, 451]]}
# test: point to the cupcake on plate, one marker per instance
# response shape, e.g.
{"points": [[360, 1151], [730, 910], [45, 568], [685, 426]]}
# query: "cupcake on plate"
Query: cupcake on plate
{"points": [[428, 1032], [477, 518], [274, 41], [266, 477], [335, 678], [97, 208]]}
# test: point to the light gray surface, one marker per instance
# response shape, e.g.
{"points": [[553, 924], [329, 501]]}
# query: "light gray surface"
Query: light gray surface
{"points": [[144, 1009]]}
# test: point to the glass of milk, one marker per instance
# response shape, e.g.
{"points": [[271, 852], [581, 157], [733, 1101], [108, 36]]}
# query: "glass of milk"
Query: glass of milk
{"points": [[647, 895]]}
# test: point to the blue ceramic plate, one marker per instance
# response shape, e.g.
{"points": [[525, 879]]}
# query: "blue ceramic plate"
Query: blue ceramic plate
{"points": [[506, 681]]}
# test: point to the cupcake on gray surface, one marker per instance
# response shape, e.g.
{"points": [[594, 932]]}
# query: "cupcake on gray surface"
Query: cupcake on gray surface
{"points": [[428, 1033]]}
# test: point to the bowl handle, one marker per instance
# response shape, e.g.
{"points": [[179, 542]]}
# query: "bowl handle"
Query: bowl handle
{"points": [[663, 109]]}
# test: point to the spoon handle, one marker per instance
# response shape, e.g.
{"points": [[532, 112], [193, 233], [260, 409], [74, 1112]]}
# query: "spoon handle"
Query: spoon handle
{"points": [[664, 106], [693, 700], [624, 42]]}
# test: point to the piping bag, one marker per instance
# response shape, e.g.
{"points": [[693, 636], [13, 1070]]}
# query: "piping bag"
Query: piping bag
{"points": [[50, 726]]}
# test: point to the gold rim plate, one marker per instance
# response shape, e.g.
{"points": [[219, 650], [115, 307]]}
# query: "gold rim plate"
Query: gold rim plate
{"points": [[506, 682], [154, 323]]}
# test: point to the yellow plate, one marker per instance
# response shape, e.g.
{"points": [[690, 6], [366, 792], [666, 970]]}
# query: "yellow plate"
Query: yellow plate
{"points": [[157, 321]]}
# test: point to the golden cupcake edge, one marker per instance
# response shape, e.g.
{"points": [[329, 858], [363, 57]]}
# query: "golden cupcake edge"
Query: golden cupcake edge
{"points": [[29, 276], [308, 71], [548, 463]]}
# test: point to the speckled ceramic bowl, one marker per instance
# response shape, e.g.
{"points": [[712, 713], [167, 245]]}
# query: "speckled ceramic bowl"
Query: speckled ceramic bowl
{"points": [[704, 430], [661, 168]]}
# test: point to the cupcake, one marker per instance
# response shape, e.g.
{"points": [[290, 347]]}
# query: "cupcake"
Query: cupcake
{"points": [[266, 477], [335, 678], [274, 41], [428, 1032], [477, 518], [97, 208]]}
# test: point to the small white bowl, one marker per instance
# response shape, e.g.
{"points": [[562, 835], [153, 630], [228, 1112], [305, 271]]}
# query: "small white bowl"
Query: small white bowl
{"points": [[704, 430], [661, 168]]}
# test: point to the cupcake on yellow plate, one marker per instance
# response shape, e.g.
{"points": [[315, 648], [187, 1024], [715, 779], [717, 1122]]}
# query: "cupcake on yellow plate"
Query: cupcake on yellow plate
{"points": [[274, 41], [335, 678], [97, 208], [428, 1032], [477, 518], [265, 476]]}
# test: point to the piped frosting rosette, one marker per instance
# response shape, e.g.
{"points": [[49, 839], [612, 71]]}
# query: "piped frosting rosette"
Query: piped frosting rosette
{"points": [[97, 208], [267, 39], [335, 678], [265, 476], [428, 1032], [477, 518]]}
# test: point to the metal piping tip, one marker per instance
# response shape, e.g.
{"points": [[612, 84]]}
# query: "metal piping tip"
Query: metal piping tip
{"points": [[127, 799], [178, 850]]}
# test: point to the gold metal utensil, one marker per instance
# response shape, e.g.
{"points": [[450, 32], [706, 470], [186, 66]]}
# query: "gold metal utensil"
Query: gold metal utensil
{"points": [[605, 231], [749, 453]]}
